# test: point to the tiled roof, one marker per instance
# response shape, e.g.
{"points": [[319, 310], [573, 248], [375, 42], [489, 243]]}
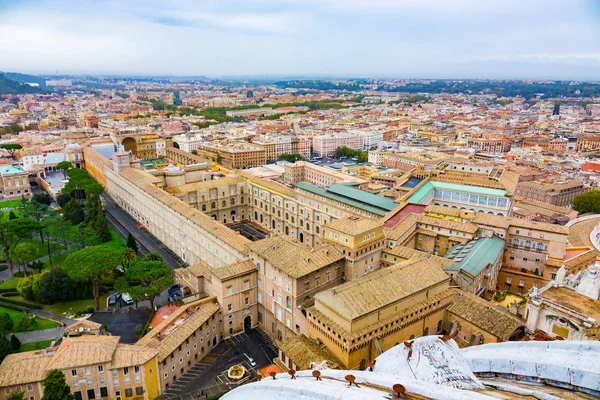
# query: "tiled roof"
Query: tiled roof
{"points": [[127, 355], [353, 225], [383, 287], [302, 351], [22, 368], [294, 258], [233, 270], [84, 350], [484, 315]]}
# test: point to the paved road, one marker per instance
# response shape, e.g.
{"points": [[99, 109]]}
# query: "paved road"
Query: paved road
{"points": [[36, 336], [53, 317], [123, 224], [122, 324]]}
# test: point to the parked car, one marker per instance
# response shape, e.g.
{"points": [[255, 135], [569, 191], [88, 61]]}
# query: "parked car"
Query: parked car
{"points": [[127, 298], [176, 288], [113, 299]]}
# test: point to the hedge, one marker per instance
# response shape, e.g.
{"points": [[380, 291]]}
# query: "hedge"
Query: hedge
{"points": [[5, 299], [12, 306]]}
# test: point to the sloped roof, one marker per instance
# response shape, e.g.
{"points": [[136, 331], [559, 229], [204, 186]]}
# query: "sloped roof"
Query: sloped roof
{"points": [[353, 225], [485, 315], [22, 368], [303, 350], [233, 270], [383, 287], [84, 350], [294, 258]]}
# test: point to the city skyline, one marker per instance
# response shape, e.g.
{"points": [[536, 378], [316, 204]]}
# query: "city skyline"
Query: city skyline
{"points": [[431, 39]]}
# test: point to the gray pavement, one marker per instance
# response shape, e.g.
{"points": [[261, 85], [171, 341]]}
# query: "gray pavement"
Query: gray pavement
{"points": [[123, 224], [36, 336], [53, 317]]}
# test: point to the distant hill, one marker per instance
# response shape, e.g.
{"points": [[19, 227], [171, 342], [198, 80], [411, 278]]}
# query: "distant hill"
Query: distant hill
{"points": [[24, 78], [9, 86]]}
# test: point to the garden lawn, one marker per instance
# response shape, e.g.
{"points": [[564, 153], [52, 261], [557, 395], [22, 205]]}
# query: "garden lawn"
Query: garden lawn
{"points": [[71, 307], [17, 316], [10, 203], [10, 284], [18, 213], [44, 344], [116, 242]]}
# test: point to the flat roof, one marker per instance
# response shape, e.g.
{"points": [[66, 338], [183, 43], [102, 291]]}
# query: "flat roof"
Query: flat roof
{"points": [[355, 197], [424, 190]]}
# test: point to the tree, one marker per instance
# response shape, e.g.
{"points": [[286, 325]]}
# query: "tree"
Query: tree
{"points": [[11, 147], [290, 157], [131, 243], [101, 227], [15, 343], [176, 145], [15, 395], [55, 387], [38, 212], [5, 348], [129, 256], [24, 253], [93, 264], [64, 166], [12, 215], [6, 322], [587, 202], [73, 212], [29, 288], [152, 276], [153, 256], [62, 199], [27, 321], [219, 158], [57, 287], [11, 234], [59, 229], [42, 198], [363, 157]]}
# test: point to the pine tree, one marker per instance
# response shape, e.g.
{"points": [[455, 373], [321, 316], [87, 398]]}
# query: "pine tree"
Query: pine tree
{"points": [[5, 347], [55, 387], [131, 243], [73, 212], [101, 227], [12, 215]]}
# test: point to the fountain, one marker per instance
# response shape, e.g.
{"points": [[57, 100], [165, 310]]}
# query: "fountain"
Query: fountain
{"points": [[236, 372]]}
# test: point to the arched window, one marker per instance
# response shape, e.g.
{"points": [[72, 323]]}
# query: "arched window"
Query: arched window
{"points": [[528, 243], [516, 241], [203, 207], [255, 215], [223, 203], [258, 266], [213, 205], [540, 246], [232, 201], [288, 302]]}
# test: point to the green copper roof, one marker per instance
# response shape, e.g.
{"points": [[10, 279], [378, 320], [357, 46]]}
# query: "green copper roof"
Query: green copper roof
{"points": [[473, 256], [424, 190], [354, 197], [11, 169]]}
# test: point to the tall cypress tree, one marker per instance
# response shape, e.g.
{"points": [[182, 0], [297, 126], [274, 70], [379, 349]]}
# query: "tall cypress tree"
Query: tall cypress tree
{"points": [[101, 227], [131, 243]]}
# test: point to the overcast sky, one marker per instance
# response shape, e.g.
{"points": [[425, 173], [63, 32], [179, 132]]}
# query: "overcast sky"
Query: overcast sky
{"points": [[356, 38]]}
